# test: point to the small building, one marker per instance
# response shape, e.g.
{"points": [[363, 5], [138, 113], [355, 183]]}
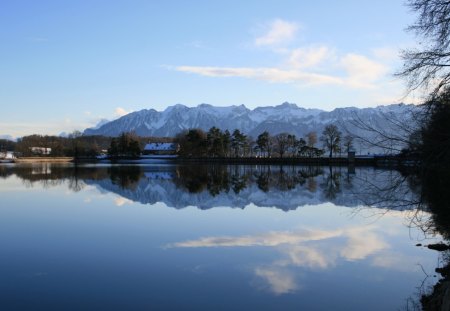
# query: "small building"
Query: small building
{"points": [[41, 150], [161, 149]]}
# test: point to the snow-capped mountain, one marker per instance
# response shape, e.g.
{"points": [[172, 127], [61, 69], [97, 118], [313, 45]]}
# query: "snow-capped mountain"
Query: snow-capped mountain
{"points": [[286, 117]]}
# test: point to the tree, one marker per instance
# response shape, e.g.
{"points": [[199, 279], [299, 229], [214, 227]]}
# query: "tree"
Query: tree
{"points": [[300, 147], [331, 138], [348, 142], [434, 142], [214, 138], [429, 65], [263, 141], [193, 143], [75, 137], [238, 141], [292, 144], [226, 140], [311, 139], [126, 145], [281, 143]]}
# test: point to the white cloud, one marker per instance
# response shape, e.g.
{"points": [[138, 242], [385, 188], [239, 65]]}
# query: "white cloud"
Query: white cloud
{"points": [[272, 75], [309, 56], [357, 71], [279, 32], [120, 112], [362, 72]]}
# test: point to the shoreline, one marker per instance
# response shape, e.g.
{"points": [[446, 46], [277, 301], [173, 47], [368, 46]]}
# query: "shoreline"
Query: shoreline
{"points": [[43, 160], [381, 161]]}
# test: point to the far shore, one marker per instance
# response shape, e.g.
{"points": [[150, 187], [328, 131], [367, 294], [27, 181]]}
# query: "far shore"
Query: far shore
{"points": [[383, 161], [43, 159]]}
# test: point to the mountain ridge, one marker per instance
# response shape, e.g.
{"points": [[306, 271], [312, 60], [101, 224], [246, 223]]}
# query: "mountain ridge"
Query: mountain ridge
{"points": [[286, 117]]}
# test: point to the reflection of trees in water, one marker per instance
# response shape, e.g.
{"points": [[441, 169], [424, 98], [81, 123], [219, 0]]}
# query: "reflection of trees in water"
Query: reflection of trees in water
{"points": [[389, 189], [332, 183], [285, 178], [194, 179], [427, 197], [214, 178], [435, 195], [126, 177], [48, 175], [221, 178]]}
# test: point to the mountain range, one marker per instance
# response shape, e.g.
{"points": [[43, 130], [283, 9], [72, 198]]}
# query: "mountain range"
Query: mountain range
{"points": [[286, 117]]}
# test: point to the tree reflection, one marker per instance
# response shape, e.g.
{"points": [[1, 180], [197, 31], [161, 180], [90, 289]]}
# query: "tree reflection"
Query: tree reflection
{"points": [[127, 177], [435, 196], [332, 183], [426, 194]]}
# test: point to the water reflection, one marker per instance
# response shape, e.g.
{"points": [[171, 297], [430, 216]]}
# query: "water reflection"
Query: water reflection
{"points": [[309, 249], [260, 258], [208, 186]]}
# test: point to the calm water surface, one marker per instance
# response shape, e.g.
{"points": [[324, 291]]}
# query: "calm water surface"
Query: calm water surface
{"points": [[210, 238]]}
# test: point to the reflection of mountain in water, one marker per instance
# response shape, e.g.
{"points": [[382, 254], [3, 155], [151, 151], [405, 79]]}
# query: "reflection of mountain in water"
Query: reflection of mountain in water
{"points": [[282, 187], [208, 186]]}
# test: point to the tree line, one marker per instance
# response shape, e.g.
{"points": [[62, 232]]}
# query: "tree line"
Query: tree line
{"points": [[193, 143], [218, 143], [80, 146]]}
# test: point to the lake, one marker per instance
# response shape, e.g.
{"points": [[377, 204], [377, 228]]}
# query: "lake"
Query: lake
{"points": [[212, 237]]}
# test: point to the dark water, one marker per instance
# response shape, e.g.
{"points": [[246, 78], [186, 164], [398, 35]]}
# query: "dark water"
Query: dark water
{"points": [[211, 238]]}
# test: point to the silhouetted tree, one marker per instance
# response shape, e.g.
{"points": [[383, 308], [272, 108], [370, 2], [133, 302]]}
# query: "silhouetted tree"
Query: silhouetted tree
{"points": [[238, 141], [126, 145], [281, 143], [311, 139], [434, 147], [429, 65], [192, 143], [263, 142], [348, 142], [215, 140], [331, 137], [226, 141]]}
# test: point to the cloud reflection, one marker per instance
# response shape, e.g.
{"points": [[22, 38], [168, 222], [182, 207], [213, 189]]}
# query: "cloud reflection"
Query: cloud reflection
{"points": [[279, 281], [307, 248], [273, 238], [120, 201]]}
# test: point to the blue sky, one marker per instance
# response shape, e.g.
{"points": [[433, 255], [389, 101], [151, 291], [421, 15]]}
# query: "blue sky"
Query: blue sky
{"points": [[64, 65]]}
